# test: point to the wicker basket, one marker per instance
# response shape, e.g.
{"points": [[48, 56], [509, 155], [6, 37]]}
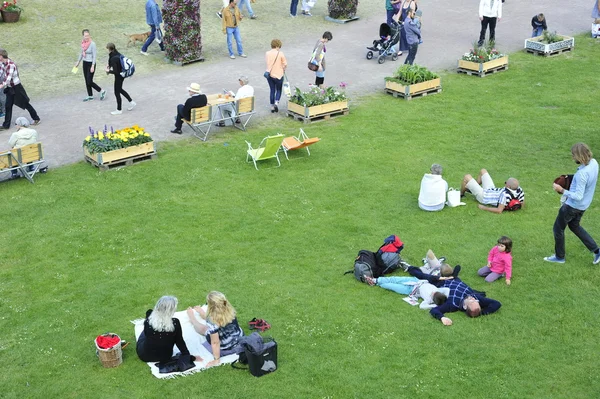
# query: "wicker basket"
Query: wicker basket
{"points": [[10, 16], [111, 357]]}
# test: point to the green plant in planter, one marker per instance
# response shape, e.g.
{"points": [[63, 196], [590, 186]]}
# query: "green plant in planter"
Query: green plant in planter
{"points": [[484, 53], [411, 74], [318, 96], [11, 7], [550, 37]]}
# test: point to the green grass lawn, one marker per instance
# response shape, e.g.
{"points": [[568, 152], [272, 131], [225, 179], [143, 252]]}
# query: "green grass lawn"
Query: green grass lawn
{"points": [[86, 252]]}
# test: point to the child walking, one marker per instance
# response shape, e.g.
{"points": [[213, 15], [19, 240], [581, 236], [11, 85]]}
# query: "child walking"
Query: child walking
{"points": [[499, 262], [221, 329]]}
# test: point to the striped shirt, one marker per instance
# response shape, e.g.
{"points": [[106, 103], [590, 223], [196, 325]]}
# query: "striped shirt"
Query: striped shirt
{"points": [[10, 73], [502, 196], [228, 335]]}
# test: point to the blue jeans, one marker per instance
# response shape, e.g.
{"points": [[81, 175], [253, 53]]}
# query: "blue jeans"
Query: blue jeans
{"points": [[537, 32], [248, 7], [294, 7], [571, 217], [275, 86], [412, 53], [235, 32], [390, 16], [151, 39], [397, 284]]}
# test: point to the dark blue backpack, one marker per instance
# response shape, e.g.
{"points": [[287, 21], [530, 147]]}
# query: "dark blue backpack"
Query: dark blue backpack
{"points": [[127, 67]]}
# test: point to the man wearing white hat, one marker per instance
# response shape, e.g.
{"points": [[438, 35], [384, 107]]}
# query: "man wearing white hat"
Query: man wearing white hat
{"points": [[184, 111]]}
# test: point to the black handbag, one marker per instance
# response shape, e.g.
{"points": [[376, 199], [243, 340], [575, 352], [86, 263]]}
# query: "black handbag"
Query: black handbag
{"points": [[259, 362]]}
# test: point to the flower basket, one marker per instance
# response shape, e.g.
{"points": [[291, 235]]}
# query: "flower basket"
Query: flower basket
{"points": [[10, 16], [109, 149], [317, 103], [535, 46], [411, 81], [483, 68]]}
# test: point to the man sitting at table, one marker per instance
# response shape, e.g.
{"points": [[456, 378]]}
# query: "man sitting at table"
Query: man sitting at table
{"points": [[243, 92], [184, 111]]}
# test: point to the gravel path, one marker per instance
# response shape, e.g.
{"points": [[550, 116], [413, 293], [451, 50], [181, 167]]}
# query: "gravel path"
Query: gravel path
{"points": [[449, 29]]}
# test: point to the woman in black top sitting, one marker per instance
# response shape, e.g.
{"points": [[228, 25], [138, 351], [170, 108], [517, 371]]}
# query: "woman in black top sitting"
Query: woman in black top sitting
{"points": [[161, 332]]}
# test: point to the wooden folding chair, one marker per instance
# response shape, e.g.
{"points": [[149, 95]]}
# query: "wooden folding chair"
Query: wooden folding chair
{"points": [[295, 143], [200, 118], [244, 107]]}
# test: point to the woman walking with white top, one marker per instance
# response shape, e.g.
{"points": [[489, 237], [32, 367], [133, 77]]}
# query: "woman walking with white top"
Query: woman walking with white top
{"points": [[88, 55]]}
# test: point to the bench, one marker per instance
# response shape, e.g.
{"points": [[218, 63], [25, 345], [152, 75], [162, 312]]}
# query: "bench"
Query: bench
{"points": [[244, 107], [23, 158], [202, 118]]}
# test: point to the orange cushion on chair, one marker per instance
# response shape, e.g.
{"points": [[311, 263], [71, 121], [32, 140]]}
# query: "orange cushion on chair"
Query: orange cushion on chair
{"points": [[291, 143]]}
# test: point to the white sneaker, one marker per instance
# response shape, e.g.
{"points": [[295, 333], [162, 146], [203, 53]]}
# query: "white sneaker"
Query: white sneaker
{"points": [[143, 52], [243, 55], [232, 57], [117, 112], [132, 105]]}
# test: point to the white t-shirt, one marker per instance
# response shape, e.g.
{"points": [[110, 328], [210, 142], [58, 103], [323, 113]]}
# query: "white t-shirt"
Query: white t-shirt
{"points": [[433, 192], [426, 291], [244, 91]]}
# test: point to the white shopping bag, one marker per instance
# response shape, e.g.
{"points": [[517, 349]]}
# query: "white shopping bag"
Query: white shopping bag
{"points": [[454, 198]]}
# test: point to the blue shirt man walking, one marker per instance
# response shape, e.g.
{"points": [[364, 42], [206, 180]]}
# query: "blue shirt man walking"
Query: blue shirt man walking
{"points": [[154, 19]]}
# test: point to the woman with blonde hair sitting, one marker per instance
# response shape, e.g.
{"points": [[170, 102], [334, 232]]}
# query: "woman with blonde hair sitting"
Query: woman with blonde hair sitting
{"points": [[161, 332], [222, 330]]}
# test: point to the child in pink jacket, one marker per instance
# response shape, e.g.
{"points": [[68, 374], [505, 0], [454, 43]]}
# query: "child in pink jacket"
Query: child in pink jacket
{"points": [[499, 262]]}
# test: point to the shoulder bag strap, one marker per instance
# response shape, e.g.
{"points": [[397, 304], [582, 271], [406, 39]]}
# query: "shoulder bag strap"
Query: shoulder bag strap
{"points": [[273, 63]]}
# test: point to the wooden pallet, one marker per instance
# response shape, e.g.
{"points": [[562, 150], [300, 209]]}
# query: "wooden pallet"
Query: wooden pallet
{"points": [[434, 90], [182, 63], [484, 73], [320, 117], [553, 53], [121, 162]]}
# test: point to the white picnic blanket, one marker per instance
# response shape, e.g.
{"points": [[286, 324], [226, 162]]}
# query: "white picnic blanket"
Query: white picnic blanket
{"points": [[194, 342]]}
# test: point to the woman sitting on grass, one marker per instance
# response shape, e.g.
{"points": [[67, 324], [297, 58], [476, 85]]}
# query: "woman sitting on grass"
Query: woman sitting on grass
{"points": [[222, 330], [161, 332]]}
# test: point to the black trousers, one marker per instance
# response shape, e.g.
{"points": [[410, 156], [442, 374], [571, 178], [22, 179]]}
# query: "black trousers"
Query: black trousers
{"points": [[10, 101], [412, 53], [119, 90], [89, 78], [571, 217], [491, 21]]}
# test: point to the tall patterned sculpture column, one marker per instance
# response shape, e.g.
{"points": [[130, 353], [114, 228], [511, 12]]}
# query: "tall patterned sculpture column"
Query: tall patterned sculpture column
{"points": [[342, 9], [182, 37]]}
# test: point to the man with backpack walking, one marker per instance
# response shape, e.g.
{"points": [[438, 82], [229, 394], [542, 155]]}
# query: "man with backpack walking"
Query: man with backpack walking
{"points": [[154, 19], [115, 67]]}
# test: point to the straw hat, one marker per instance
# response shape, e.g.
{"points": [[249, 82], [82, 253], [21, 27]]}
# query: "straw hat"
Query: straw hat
{"points": [[194, 87]]}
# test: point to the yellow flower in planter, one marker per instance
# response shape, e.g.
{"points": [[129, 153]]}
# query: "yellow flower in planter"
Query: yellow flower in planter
{"points": [[88, 138]]}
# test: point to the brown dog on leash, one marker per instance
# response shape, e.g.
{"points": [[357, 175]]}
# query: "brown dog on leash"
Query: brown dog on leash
{"points": [[137, 37]]}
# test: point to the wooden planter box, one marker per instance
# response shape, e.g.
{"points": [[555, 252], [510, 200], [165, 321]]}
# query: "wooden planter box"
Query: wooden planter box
{"points": [[417, 90], [324, 111], [483, 68], [535, 46], [122, 156]]}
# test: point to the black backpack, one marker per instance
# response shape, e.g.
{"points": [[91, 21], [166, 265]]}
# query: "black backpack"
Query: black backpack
{"points": [[365, 264]]}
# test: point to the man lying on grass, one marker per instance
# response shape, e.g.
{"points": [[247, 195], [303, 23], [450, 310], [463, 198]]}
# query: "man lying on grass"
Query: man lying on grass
{"points": [[510, 197], [461, 297]]}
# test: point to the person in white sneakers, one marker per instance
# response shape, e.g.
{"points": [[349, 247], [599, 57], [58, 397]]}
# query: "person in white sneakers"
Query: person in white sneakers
{"points": [[490, 12], [114, 67], [432, 195]]}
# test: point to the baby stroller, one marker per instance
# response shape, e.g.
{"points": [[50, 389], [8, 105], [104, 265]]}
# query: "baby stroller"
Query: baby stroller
{"points": [[389, 37]]}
